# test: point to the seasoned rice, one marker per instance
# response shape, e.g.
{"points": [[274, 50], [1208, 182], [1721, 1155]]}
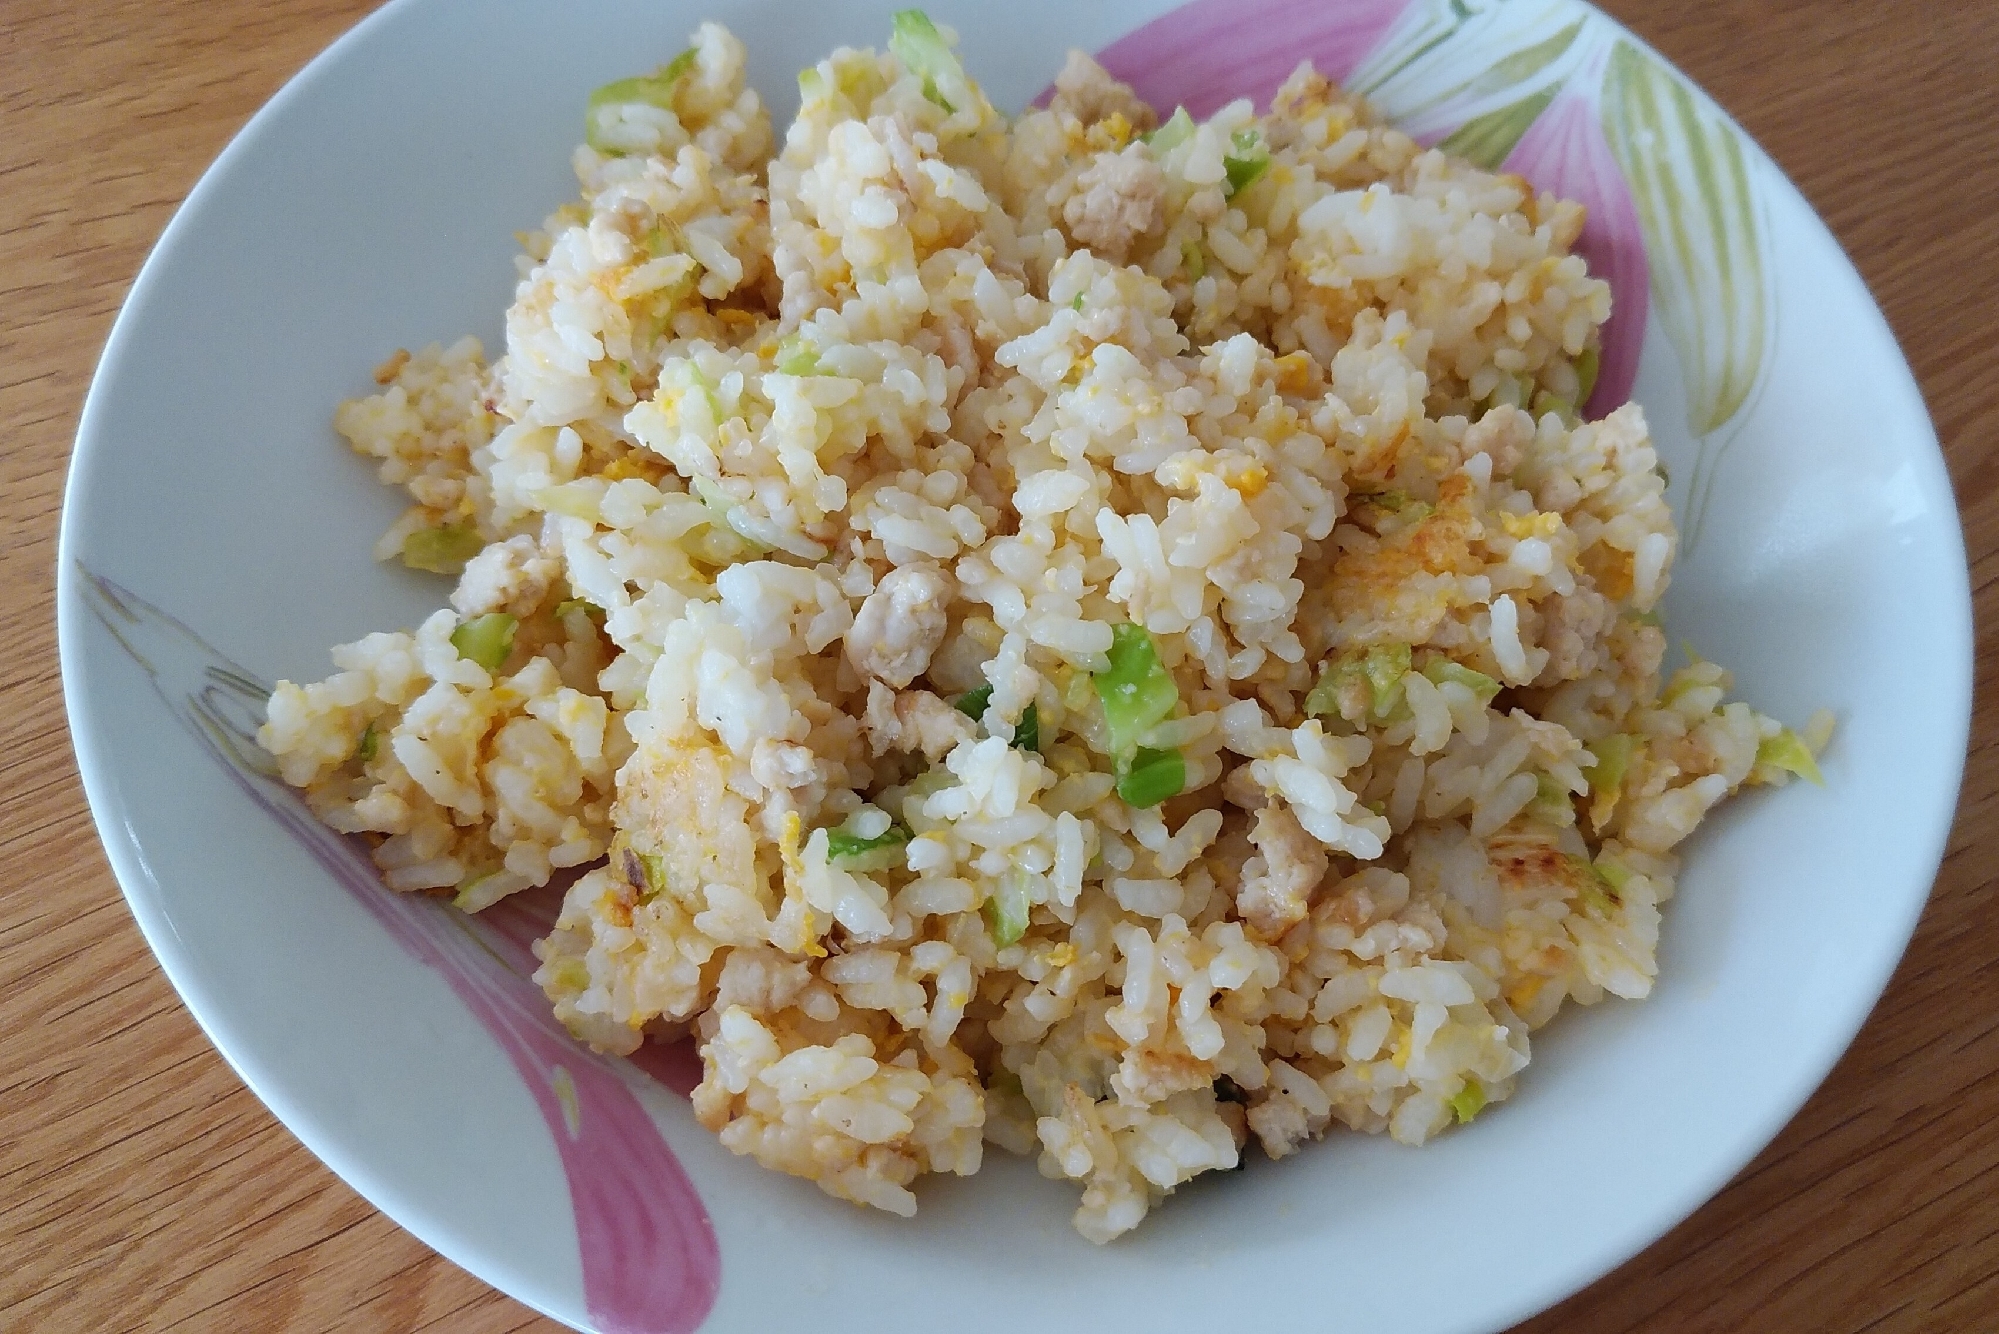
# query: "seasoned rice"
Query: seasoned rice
{"points": [[1087, 632]]}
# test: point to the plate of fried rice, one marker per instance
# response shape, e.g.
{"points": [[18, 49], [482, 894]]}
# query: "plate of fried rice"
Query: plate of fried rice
{"points": [[840, 669]]}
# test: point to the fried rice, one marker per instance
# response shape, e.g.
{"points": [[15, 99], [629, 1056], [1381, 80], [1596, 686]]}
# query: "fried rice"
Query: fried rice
{"points": [[1099, 635]]}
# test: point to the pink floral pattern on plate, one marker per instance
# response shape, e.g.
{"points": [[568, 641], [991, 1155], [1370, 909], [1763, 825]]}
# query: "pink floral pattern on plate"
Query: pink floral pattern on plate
{"points": [[649, 1256]]}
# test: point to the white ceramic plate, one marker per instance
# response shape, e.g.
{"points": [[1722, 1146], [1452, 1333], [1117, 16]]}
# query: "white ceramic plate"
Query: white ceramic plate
{"points": [[371, 205]]}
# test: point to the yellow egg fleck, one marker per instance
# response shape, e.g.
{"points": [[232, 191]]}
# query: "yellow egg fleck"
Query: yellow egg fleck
{"points": [[1250, 481], [1524, 991], [1294, 373], [1541, 523]]}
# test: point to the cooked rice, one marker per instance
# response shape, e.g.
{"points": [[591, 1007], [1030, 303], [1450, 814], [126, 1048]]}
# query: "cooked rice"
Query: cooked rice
{"points": [[789, 455]]}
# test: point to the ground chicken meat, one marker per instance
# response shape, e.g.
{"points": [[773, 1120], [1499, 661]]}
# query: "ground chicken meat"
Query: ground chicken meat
{"points": [[913, 721], [511, 576], [1277, 886], [1572, 628], [1119, 197], [1087, 92], [901, 624]]}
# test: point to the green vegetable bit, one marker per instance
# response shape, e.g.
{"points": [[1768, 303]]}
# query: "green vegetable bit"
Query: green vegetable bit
{"points": [[443, 549], [1027, 732], [1077, 304], [1377, 669], [1007, 909], [486, 640], [1440, 670], [1468, 1101], [1196, 262], [1386, 665], [923, 52], [1608, 761], [1392, 500], [369, 744], [645, 872], [1788, 751], [1137, 692], [1177, 130], [655, 90], [1151, 777], [1545, 403], [844, 844], [469, 897], [795, 356], [1246, 163], [1587, 366]]}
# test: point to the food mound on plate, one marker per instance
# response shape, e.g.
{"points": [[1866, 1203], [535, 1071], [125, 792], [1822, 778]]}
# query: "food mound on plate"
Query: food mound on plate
{"points": [[1099, 634]]}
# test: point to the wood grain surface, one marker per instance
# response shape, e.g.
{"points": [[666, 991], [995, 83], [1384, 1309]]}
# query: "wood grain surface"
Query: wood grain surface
{"points": [[142, 1186]]}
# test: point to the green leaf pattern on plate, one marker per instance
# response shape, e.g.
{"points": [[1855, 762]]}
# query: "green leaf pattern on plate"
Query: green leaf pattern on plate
{"points": [[1417, 74], [1689, 176], [1487, 139], [1689, 172], [1691, 180]]}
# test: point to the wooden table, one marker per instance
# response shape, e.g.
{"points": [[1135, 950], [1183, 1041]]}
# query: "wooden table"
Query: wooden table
{"points": [[142, 1187]]}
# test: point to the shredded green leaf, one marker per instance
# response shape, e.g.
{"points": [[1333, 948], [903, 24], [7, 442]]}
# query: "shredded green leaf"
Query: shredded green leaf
{"points": [[1007, 909], [1608, 761], [1196, 262], [1788, 751], [1336, 681], [923, 52], [1137, 692], [681, 64], [1177, 130], [720, 504], [645, 872], [486, 640], [470, 897], [795, 356], [1386, 665], [1245, 164], [370, 743], [1599, 897], [1077, 304], [1151, 777], [1027, 732], [1587, 366], [655, 90], [1376, 670], [1440, 670], [443, 549], [845, 844], [1468, 1101], [1391, 500], [1545, 403]]}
